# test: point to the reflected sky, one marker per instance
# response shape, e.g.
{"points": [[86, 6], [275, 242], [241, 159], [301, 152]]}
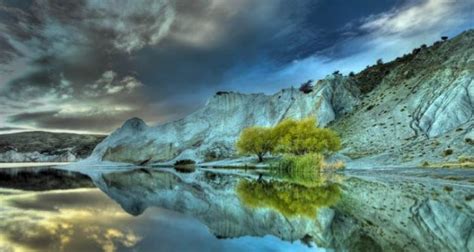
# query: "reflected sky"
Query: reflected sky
{"points": [[87, 220]]}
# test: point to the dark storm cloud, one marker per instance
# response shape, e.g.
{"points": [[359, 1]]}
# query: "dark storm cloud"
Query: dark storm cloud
{"points": [[32, 116], [160, 59], [7, 51], [101, 121], [7, 129]]}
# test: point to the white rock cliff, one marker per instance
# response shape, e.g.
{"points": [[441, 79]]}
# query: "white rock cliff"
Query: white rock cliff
{"points": [[210, 132], [425, 96]]}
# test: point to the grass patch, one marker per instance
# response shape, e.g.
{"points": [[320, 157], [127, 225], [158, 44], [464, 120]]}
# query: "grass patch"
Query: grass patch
{"points": [[309, 169], [454, 164], [337, 165], [359, 154]]}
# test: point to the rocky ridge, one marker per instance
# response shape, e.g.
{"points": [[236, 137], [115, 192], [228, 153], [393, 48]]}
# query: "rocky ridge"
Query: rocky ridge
{"points": [[38, 146], [407, 111], [210, 132], [422, 106]]}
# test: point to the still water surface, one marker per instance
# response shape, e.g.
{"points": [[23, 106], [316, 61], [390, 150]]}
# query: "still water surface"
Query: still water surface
{"points": [[44, 218], [159, 209]]}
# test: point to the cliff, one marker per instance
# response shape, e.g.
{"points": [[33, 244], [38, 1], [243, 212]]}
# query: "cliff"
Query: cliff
{"points": [[210, 132], [415, 108]]}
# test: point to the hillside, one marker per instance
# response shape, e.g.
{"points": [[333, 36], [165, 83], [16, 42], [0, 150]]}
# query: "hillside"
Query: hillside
{"points": [[417, 107], [46, 146]]}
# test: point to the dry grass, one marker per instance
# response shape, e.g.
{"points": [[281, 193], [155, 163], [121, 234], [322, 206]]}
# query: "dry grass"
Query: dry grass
{"points": [[338, 165], [465, 164], [464, 159]]}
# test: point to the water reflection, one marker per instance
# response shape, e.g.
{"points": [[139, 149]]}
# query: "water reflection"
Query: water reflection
{"points": [[210, 197], [290, 199], [88, 220], [44, 178], [412, 210], [70, 220]]}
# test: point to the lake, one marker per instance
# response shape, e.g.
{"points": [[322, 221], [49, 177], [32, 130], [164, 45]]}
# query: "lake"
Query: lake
{"points": [[160, 209]]}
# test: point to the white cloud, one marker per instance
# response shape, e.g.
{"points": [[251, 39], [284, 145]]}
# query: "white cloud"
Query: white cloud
{"points": [[109, 83], [423, 17], [210, 26]]}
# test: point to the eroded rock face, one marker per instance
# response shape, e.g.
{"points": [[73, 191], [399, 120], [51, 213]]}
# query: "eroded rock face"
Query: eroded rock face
{"points": [[210, 132], [416, 107], [423, 105]]}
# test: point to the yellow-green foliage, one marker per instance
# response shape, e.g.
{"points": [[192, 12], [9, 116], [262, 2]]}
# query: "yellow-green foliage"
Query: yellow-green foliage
{"points": [[301, 169], [288, 137], [288, 198], [337, 165], [301, 137], [255, 140]]}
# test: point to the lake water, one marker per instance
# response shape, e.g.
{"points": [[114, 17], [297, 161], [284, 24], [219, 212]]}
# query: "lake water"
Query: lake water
{"points": [[159, 209]]}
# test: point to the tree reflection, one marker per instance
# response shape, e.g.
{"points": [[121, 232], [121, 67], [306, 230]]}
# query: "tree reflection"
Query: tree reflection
{"points": [[287, 197]]}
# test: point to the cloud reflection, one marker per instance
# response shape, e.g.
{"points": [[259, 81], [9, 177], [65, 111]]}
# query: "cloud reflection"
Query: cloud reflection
{"points": [[87, 220]]}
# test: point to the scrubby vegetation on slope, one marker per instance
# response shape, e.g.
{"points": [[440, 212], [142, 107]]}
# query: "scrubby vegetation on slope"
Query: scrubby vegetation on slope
{"points": [[49, 143]]}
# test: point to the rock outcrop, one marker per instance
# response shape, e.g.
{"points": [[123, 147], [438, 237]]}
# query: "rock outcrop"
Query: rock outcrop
{"points": [[404, 111], [210, 132]]}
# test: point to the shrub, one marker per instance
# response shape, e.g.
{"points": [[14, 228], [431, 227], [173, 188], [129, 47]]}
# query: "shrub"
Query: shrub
{"points": [[292, 164], [306, 87], [336, 72], [444, 38], [185, 162], [465, 159], [416, 50], [447, 152], [379, 62], [222, 92], [255, 140], [469, 140], [351, 74]]}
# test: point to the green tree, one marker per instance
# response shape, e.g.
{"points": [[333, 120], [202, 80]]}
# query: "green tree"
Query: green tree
{"points": [[302, 137], [255, 140]]}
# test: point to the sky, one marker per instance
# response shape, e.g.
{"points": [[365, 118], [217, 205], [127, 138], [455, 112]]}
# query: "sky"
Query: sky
{"points": [[86, 66]]}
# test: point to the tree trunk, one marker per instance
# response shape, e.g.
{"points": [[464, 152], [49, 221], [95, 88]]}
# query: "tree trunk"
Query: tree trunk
{"points": [[260, 158]]}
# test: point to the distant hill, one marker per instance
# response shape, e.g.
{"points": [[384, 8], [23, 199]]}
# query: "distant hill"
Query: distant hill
{"points": [[46, 146]]}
